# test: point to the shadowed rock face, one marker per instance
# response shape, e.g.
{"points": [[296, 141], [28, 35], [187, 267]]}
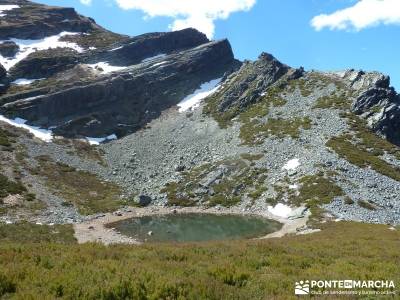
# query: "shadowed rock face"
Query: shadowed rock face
{"points": [[251, 80], [124, 101], [36, 21], [43, 64], [134, 50], [80, 100], [377, 102]]}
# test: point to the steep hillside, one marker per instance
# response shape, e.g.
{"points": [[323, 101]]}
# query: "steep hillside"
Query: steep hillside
{"points": [[175, 119]]}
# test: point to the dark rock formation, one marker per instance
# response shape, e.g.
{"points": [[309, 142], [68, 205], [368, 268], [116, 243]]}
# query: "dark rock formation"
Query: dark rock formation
{"points": [[124, 101], [36, 21], [8, 49], [379, 104], [250, 81], [3, 72], [45, 63], [144, 200], [134, 50]]}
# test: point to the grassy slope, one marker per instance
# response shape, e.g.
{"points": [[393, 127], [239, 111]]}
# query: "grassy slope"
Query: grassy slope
{"points": [[225, 270]]}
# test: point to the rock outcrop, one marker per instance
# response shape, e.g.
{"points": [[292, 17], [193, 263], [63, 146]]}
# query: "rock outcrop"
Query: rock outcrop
{"points": [[122, 101], [105, 83], [377, 102], [36, 21], [8, 49], [43, 64], [245, 86]]}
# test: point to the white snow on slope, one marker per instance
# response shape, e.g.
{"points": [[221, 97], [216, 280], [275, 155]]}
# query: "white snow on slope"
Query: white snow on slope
{"points": [[46, 134], [98, 141], [280, 210], [43, 134], [291, 164], [153, 57], [115, 49], [27, 47], [24, 81], [159, 63], [4, 8], [105, 67], [193, 100]]}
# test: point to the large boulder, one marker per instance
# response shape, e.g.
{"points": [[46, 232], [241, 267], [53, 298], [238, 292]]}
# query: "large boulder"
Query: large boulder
{"points": [[8, 49], [144, 200]]}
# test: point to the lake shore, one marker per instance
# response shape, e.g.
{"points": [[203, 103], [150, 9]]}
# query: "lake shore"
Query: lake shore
{"points": [[98, 228]]}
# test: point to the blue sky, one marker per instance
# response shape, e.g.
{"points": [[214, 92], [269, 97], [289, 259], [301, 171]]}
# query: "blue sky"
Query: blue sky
{"points": [[349, 34]]}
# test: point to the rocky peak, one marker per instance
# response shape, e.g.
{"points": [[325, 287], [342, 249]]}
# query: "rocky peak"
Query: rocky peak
{"points": [[35, 21], [377, 102], [97, 83], [245, 86]]}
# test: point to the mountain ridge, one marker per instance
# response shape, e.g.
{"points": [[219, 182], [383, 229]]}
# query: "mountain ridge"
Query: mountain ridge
{"points": [[262, 135]]}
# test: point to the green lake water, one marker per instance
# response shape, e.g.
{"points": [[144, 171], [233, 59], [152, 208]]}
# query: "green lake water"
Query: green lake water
{"points": [[195, 227]]}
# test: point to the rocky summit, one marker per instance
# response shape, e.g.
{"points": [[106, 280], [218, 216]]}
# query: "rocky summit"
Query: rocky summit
{"points": [[94, 122]]}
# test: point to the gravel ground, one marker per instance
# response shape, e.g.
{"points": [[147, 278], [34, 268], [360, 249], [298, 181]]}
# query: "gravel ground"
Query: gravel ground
{"points": [[143, 162]]}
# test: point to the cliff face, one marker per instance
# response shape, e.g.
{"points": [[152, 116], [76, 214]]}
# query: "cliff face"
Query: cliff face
{"points": [[266, 134], [95, 82], [35, 21]]}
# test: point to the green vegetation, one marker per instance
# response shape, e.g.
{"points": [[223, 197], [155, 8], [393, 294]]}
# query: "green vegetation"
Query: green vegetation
{"points": [[87, 192], [366, 205], [316, 190], [238, 180], [254, 131], [363, 148], [9, 187], [369, 140], [313, 191], [7, 139], [31, 233], [272, 97], [256, 125], [251, 157], [348, 200], [96, 38], [335, 100], [83, 149], [361, 156], [255, 269]]}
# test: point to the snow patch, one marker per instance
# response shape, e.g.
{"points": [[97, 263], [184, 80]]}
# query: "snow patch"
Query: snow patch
{"points": [[293, 186], [115, 49], [280, 210], [193, 100], [43, 134], [291, 164], [153, 57], [98, 141], [27, 47], [105, 67], [159, 64], [24, 81], [4, 8]]}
